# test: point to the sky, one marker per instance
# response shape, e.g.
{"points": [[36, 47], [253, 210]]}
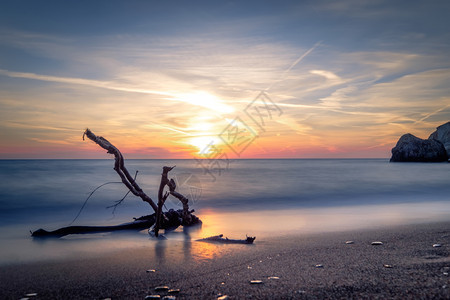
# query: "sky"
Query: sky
{"points": [[221, 79]]}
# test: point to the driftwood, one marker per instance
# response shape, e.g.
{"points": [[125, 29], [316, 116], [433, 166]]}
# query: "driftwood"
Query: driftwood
{"points": [[220, 239], [174, 220], [159, 220]]}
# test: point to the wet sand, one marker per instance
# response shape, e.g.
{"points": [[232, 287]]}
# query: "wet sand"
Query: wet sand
{"points": [[295, 266]]}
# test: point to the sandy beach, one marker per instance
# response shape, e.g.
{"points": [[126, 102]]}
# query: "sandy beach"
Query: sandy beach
{"points": [[294, 266]]}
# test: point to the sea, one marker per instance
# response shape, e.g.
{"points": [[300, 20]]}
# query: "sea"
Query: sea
{"points": [[255, 197]]}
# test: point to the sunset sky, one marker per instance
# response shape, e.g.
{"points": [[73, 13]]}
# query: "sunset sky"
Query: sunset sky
{"points": [[172, 79]]}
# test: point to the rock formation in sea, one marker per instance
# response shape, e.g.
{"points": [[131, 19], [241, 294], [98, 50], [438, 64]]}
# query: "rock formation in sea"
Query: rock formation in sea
{"points": [[442, 134], [410, 148]]}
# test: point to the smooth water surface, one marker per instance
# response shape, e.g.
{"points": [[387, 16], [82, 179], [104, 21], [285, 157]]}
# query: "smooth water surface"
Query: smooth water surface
{"points": [[256, 197]]}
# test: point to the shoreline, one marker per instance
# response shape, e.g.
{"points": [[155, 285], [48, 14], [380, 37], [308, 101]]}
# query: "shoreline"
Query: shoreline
{"points": [[292, 266]]}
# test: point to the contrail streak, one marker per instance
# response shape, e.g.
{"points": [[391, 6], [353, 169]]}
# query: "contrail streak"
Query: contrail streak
{"points": [[283, 76], [432, 113], [81, 81]]}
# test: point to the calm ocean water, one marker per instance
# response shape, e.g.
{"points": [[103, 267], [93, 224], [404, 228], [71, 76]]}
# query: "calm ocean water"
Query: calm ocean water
{"points": [[261, 195]]}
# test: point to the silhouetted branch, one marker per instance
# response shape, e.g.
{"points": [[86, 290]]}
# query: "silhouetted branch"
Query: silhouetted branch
{"points": [[119, 167], [87, 199], [168, 220]]}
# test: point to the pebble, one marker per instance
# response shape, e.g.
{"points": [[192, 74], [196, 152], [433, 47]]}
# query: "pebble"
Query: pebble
{"points": [[256, 282], [174, 291], [151, 271], [224, 297], [388, 266], [445, 274], [161, 288], [248, 267], [169, 298], [273, 277], [349, 242], [437, 245], [319, 266], [377, 243], [31, 295], [152, 297]]}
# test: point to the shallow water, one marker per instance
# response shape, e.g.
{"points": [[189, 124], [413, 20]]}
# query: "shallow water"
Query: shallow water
{"points": [[254, 197]]}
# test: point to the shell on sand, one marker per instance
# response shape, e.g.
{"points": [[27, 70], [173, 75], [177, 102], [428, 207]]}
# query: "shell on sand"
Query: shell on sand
{"points": [[256, 282], [377, 243]]}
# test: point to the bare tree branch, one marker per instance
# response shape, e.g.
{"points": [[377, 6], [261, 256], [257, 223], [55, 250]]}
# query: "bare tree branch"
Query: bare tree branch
{"points": [[119, 167]]}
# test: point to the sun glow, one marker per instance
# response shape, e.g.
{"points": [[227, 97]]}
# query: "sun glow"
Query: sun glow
{"points": [[206, 100], [204, 144]]}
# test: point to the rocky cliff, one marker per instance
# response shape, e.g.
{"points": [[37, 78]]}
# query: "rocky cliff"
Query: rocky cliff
{"points": [[436, 148], [442, 134]]}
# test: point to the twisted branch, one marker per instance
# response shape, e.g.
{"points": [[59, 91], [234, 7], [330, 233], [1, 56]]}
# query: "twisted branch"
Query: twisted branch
{"points": [[119, 167]]}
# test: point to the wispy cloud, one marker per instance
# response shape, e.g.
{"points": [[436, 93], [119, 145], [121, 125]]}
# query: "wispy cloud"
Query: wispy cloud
{"points": [[330, 98]]}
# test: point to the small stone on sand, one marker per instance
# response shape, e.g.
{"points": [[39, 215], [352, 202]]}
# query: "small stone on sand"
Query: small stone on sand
{"points": [[349, 242], [273, 277], [224, 297], [151, 271], [437, 245], [388, 266], [152, 297], [174, 291], [169, 298], [161, 288], [377, 243], [319, 266], [256, 282], [31, 295]]}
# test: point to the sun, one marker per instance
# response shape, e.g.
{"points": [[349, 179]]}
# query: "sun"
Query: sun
{"points": [[204, 144]]}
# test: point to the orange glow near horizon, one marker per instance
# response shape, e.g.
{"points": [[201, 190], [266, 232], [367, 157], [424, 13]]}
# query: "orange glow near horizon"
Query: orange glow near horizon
{"points": [[201, 124]]}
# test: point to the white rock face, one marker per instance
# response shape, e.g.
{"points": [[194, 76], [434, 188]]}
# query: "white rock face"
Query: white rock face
{"points": [[442, 134]]}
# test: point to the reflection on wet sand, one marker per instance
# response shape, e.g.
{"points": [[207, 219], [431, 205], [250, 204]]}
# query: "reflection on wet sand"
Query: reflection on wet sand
{"points": [[265, 224], [182, 246]]}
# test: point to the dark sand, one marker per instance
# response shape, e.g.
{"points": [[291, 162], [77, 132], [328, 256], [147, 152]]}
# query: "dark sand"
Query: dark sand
{"points": [[206, 271]]}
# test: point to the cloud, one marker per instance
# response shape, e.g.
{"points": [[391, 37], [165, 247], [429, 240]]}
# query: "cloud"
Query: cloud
{"points": [[328, 75], [165, 91]]}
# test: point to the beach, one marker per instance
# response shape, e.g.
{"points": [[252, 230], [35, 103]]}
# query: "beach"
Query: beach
{"points": [[408, 264]]}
